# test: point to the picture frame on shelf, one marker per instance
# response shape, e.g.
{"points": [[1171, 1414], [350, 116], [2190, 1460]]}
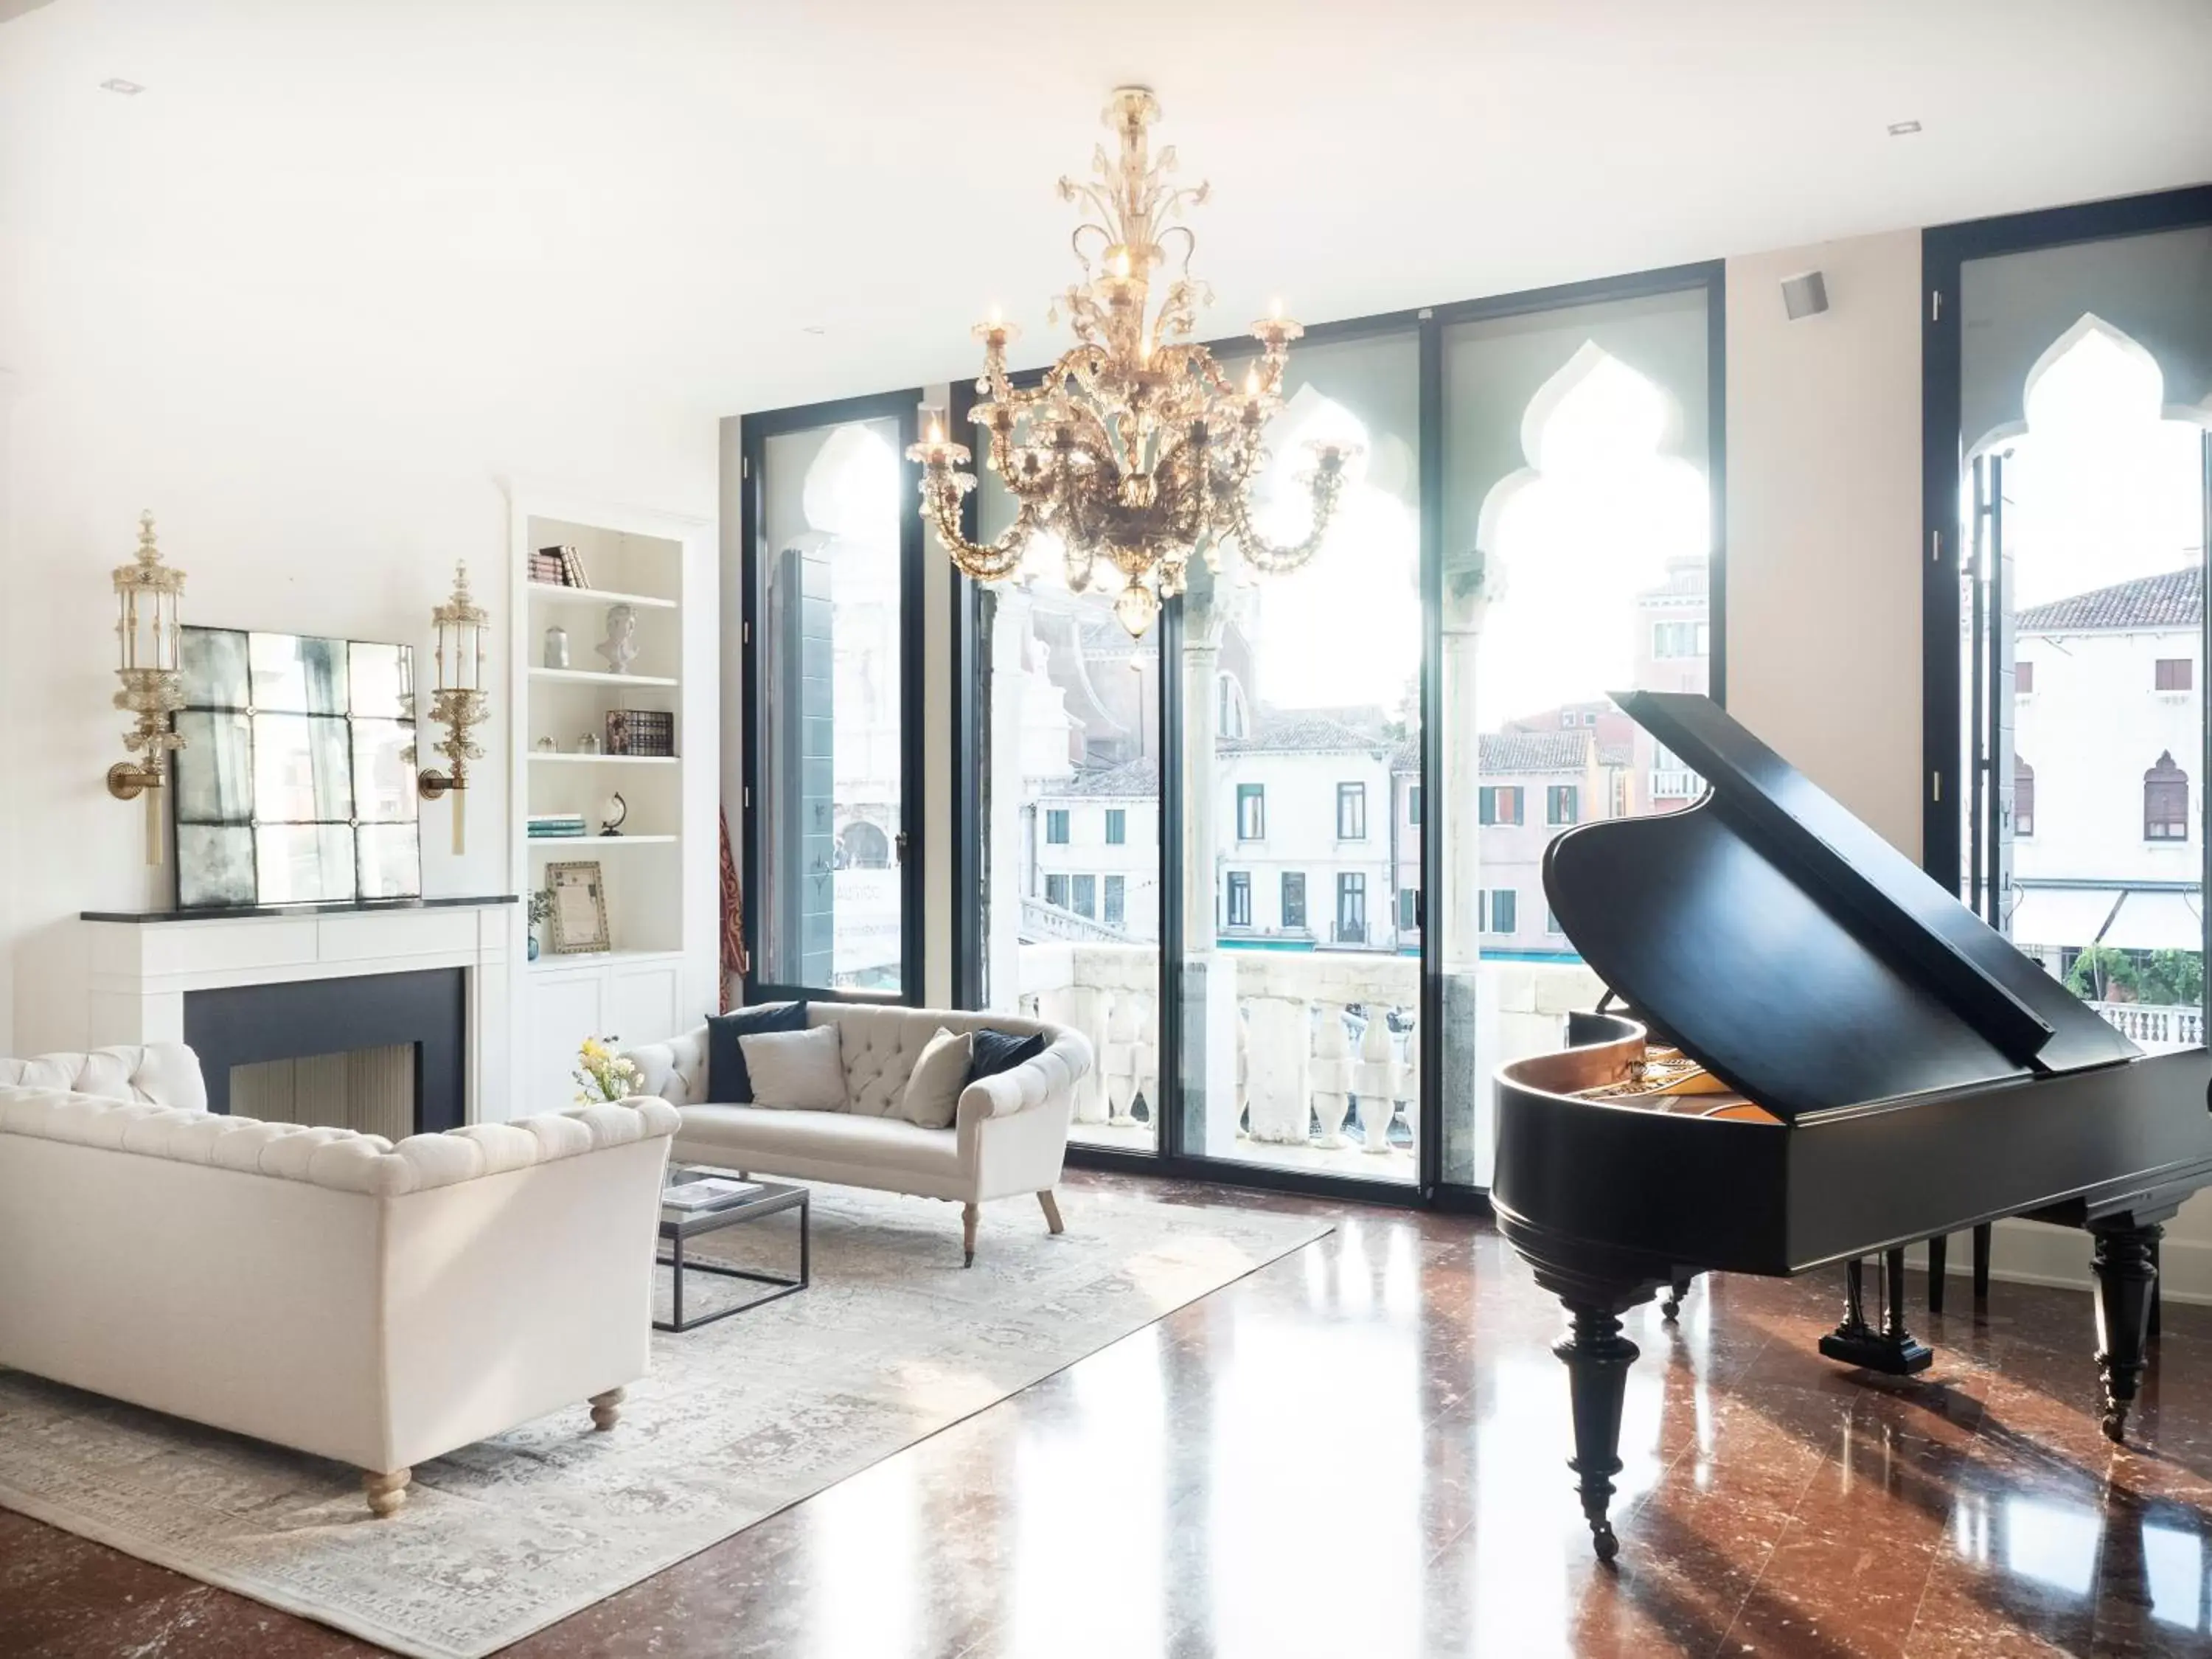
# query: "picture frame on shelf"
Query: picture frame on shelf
{"points": [[577, 923]]}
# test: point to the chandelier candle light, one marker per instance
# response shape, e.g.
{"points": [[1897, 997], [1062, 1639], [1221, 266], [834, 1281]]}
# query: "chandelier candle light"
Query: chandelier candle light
{"points": [[1137, 449], [459, 701], [150, 667]]}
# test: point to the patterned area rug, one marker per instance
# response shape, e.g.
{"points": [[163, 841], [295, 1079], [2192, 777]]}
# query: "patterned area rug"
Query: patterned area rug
{"points": [[738, 1419]]}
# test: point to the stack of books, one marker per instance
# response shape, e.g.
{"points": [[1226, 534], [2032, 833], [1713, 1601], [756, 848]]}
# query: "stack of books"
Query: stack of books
{"points": [[545, 566], [640, 731], [545, 826]]}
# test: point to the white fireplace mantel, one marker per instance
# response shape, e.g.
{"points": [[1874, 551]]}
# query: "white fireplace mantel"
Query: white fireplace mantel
{"points": [[138, 968]]}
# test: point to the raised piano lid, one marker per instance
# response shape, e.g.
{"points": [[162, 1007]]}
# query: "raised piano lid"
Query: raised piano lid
{"points": [[1794, 952]]}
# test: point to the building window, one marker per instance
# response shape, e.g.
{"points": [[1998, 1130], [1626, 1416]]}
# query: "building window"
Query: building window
{"points": [[1294, 901], [1671, 778], [1117, 901], [1409, 910], [1413, 803], [2023, 678], [1351, 907], [1680, 639], [1085, 891], [1056, 891], [1055, 826], [2171, 673], [1562, 803], [1352, 813], [1117, 826], [1551, 924], [1500, 910], [1240, 898], [2165, 801], [1230, 711], [2023, 797], [1498, 803], [1251, 811]]}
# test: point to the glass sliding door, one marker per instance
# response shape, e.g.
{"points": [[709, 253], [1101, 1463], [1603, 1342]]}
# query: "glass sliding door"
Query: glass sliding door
{"points": [[1578, 535], [2083, 374], [832, 544], [1068, 817], [1299, 852]]}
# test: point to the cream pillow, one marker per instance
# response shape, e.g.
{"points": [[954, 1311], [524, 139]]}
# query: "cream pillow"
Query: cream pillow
{"points": [[933, 1093], [797, 1070]]}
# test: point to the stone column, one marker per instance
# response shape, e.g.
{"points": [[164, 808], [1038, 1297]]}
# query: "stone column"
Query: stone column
{"points": [[1210, 1014], [1470, 581]]}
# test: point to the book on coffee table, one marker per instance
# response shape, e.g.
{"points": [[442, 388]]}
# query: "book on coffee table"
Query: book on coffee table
{"points": [[708, 1192]]}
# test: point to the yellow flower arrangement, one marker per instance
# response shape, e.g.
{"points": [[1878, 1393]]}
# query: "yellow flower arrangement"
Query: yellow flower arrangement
{"points": [[602, 1074]]}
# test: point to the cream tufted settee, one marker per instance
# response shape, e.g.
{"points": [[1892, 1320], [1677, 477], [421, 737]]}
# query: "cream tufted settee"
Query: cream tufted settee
{"points": [[375, 1303], [1009, 1136]]}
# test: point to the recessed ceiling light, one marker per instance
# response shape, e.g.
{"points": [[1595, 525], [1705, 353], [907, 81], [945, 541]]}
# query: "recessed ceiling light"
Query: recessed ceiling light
{"points": [[1903, 128], [814, 328], [128, 88]]}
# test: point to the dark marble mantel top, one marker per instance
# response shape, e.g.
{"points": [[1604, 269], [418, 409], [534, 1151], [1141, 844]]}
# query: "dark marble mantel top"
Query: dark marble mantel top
{"points": [[349, 906]]}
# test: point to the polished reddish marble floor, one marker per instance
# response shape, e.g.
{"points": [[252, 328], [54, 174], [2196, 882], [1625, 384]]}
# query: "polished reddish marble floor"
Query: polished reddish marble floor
{"points": [[1359, 1452]]}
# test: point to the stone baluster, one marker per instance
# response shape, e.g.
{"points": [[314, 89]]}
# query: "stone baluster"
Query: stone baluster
{"points": [[1409, 1087], [1087, 1014], [1376, 1080], [1143, 1020], [1332, 1074], [1279, 1040], [1244, 1102], [1118, 1058]]}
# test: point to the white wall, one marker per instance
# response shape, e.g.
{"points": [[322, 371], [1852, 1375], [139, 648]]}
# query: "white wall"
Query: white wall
{"points": [[1823, 532]]}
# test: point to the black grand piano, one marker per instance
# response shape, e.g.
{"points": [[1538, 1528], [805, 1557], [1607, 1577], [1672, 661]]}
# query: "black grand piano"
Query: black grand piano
{"points": [[1824, 1057]]}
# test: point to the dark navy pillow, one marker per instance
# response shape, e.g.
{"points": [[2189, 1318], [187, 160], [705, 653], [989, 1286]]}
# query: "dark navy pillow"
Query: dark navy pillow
{"points": [[1001, 1051], [728, 1082]]}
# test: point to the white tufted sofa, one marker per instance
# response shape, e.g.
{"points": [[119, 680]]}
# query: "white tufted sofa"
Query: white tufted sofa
{"points": [[1008, 1137], [374, 1303]]}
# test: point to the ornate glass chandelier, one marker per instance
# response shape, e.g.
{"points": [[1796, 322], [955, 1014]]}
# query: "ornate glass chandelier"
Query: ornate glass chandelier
{"points": [[1137, 449]]}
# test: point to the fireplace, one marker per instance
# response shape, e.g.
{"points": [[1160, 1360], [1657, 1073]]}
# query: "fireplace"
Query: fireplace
{"points": [[380, 1052]]}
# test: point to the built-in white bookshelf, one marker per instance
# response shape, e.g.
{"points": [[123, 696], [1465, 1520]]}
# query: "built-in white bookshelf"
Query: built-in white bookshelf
{"points": [[659, 873]]}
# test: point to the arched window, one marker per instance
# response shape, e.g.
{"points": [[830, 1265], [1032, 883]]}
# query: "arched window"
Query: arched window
{"points": [[2165, 801], [866, 847], [1231, 714], [2023, 798]]}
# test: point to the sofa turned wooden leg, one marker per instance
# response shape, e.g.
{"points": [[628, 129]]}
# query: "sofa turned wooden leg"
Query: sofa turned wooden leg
{"points": [[969, 1215], [606, 1409], [1053, 1224], [386, 1492]]}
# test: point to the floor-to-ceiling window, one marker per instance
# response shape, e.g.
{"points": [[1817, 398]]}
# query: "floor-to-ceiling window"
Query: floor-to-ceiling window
{"points": [[1579, 530], [832, 556], [1299, 749], [2069, 482], [1068, 819]]}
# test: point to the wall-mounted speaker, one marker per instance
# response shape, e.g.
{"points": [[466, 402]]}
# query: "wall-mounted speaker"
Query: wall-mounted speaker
{"points": [[1805, 295]]}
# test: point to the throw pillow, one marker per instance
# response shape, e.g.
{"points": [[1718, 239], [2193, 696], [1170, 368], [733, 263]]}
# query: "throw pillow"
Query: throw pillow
{"points": [[933, 1093], [798, 1071], [727, 1081], [1001, 1051]]}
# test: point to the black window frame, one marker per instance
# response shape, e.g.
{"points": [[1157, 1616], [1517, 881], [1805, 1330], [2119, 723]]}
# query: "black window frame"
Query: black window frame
{"points": [[1176, 1152], [1237, 900], [903, 408], [1352, 795], [1351, 907], [1254, 795]]}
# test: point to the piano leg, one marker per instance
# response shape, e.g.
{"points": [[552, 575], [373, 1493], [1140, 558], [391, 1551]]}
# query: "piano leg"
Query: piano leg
{"points": [[2125, 1262], [1676, 1290], [1598, 1357], [1983, 1236], [1939, 1248], [1891, 1349]]}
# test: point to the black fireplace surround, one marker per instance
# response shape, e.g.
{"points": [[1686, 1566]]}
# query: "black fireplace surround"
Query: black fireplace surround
{"points": [[298, 1020]]}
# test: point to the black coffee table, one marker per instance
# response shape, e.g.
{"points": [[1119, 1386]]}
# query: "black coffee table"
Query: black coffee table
{"points": [[679, 1227]]}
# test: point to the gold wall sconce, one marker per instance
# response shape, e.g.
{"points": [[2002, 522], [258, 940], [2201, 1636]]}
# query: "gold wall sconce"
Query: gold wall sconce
{"points": [[458, 704], [151, 667]]}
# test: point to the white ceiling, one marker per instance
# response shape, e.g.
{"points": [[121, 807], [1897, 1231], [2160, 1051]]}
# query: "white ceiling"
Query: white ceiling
{"points": [[658, 197]]}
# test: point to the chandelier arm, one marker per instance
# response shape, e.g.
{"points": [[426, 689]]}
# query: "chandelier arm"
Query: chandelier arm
{"points": [[1276, 559], [985, 562]]}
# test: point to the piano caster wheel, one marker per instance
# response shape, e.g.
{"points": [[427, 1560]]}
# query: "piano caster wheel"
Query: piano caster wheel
{"points": [[2116, 1424], [1672, 1306], [1602, 1540]]}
